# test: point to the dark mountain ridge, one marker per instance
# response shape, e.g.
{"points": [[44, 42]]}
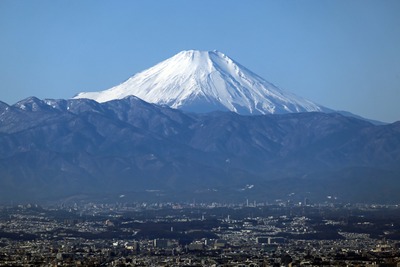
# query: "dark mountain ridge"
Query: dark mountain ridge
{"points": [[58, 148]]}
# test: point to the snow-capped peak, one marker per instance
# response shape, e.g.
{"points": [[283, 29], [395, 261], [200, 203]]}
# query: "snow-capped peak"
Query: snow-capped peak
{"points": [[204, 81]]}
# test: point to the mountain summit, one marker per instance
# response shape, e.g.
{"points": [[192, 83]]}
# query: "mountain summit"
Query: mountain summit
{"points": [[204, 81]]}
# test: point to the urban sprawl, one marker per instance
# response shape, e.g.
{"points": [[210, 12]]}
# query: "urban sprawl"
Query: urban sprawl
{"points": [[281, 233]]}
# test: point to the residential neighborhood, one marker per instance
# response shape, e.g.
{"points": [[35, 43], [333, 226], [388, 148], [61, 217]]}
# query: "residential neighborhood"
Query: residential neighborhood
{"points": [[202, 234]]}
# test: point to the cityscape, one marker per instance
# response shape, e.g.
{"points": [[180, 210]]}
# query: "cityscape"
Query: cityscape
{"points": [[281, 233]]}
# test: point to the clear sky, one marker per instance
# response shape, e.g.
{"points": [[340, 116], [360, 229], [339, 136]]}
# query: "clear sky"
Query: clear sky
{"points": [[343, 54]]}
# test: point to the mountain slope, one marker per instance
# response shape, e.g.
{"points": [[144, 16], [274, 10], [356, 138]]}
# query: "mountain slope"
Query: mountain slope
{"points": [[53, 148], [204, 81]]}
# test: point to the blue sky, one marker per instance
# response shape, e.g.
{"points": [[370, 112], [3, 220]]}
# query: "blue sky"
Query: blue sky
{"points": [[341, 54]]}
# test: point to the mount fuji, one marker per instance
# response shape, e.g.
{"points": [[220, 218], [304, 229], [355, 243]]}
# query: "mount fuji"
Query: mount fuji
{"points": [[205, 81], [137, 139]]}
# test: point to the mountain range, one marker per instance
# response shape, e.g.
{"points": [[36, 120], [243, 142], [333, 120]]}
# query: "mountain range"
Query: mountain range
{"points": [[60, 148], [182, 130]]}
